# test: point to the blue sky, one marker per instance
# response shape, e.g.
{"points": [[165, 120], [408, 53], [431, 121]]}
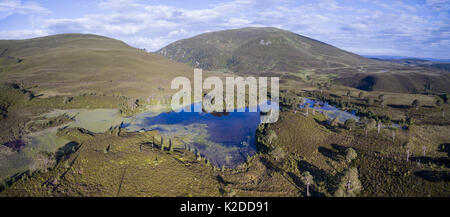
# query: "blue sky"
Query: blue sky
{"points": [[396, 28]]}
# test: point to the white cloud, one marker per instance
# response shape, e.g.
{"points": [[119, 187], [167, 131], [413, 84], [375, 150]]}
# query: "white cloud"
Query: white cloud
{"points": [[176, 33], [10, 7], [22, 34], [149, 43], [237, 22]]}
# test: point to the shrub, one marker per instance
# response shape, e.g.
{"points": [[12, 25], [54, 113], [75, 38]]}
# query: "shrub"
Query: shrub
{"points": [[272, 136], [278, 153], [350, 154], [335, 122], [67, 99], [371, 123]]}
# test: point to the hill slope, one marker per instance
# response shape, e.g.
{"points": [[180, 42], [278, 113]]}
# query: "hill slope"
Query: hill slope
{"points": [[79, 63], [413, 82], [259, 50]]}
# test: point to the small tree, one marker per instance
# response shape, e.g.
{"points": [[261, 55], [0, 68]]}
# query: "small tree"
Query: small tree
{"points": [[393, 134], [439, 102], [350, 154], [306, 108], [272, 136], [67, 99], [199, 156], [170, 145], [278, 153], [133, 104], [350, 185], [335, 121], [308, 179], [29, 95], [302, 101], [382, 103], [415, 104], [349, 94], [443, 113], [371, 123], [350, 124], [366, 128], [369, 101], [408, 154], [107, 149], [379, 127], [162, 144], [316, 106]]}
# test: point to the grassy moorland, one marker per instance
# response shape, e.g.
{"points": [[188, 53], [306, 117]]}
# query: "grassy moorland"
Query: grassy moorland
{"points": [[303, 154], [73, 64], [117, 163]]}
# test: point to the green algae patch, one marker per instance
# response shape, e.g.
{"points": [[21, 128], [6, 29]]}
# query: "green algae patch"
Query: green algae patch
{"points": [[38, 153], [95, 120], [12, 163], [45, 140]]}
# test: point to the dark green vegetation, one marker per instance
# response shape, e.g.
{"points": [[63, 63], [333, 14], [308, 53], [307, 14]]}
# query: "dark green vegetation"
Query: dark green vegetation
{"points": [[300, 155]]}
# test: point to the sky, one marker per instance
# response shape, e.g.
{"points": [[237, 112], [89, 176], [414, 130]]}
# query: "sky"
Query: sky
{"points": [[415, 28]]}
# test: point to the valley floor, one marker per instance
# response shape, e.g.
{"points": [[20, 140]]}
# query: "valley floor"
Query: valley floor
{"points": [[301, 149]]}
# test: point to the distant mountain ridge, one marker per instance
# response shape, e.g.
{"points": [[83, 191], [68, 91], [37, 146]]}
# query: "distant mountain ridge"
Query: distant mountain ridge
{"points": [[426, 63], [254, 50], [382, 57]]}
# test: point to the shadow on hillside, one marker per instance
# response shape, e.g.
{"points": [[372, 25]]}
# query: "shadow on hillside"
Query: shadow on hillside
{"points": [[320, 176], [399, 106], [327, 125], [329, 153], [336, 154], [434, 176], [220, 179], [445, 147], [15, 145], [440, 161], [65, 151]]}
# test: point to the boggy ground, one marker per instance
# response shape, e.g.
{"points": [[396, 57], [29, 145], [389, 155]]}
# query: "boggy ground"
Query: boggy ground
{"points": [[133, 164], [118, 163]]}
